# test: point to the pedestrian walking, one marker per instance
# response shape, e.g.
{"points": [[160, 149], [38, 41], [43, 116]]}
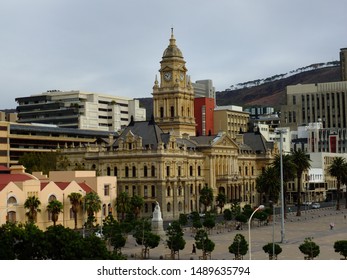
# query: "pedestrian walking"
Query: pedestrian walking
{"points": [[332, 226], [194, 249]]}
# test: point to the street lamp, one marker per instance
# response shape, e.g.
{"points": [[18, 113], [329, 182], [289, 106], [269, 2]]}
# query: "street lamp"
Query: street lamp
{"points": [[280, 132], [249, 229]]}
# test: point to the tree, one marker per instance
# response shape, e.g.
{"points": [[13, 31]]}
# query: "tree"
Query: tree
{"points": [[269, 249], [175, 240], [93, 205], [206, 197], [123, 204], [268, 184], [55, 207], [221, 199], [32, 203], [113, 232], [239, 247], [302, 163], [76, 201], [338, 169], [340, 246], [136, 204], [309, 248], [145, 237], [204, 243]]}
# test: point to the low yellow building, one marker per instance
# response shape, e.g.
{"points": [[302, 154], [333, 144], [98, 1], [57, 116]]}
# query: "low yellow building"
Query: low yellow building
{"points": [[16, 186]]}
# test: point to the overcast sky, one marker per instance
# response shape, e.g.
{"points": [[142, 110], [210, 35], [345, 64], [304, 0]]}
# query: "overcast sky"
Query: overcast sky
{"points": [[115, 47]]}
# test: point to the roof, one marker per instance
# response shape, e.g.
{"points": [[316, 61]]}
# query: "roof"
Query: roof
{"points": [[149, 131], [5, 179], [64, 185], [256, 142]]}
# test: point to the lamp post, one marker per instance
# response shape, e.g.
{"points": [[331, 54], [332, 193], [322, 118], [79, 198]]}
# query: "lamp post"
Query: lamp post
{"points": [[280, 132], [249, 229], [273, 227]]}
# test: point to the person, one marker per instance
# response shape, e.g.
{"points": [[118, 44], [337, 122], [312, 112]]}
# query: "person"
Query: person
{"points": [[332, 226], [194, 249]]}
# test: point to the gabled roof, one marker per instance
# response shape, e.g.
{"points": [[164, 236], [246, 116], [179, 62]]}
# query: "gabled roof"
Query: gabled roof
{"points": [[5, 179], [64, 185], [149, 131]]}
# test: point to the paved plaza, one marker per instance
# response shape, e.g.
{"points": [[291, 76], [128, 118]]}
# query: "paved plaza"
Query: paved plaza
{"points": [[312, 223]]}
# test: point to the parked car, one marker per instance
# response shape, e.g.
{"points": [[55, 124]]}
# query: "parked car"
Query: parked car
{"points": [[315, 205]]}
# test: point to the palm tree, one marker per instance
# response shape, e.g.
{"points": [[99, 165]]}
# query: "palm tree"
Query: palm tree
{"points": [[93, 205], [76, 201], [123, 204], [338, 169], [32, 203], [55, 207], [302, 163], [136, 204], [268, 184]]}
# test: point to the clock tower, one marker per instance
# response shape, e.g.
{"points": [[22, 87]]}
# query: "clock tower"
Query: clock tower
{"points": [[173, 96]]}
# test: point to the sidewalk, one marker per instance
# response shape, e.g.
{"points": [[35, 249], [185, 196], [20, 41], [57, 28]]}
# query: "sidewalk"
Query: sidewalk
{"points": [[312, 223]]}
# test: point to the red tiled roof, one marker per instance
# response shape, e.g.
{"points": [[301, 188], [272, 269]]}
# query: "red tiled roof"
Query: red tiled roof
{"points": [[64, 185], [7, 178], [4, 168]]}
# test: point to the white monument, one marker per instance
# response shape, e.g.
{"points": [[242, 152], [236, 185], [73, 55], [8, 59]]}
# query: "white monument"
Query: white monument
{"points": [[157, 221]]}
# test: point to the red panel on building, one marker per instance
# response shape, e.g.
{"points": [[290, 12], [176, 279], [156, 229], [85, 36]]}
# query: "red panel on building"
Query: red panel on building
{"points": [[203, 113]]}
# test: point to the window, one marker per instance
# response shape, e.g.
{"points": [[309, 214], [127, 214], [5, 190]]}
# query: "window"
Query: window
{"points": [[199, 170], [115, 171], [168, 207], [168, 190], [161, 112], [153, 191], [179, 171], [153, 171], [172, 111], [145, 191], [134, 171], [145, 171], [106, 190], [167, 170], [190, 170], [126, 171]]}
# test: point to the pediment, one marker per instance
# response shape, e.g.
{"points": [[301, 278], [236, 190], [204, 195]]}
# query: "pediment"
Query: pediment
{"points": [[224, 141]]}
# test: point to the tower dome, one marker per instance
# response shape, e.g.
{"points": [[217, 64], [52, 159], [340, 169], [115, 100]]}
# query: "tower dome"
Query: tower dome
{"points": [[172, 50]]}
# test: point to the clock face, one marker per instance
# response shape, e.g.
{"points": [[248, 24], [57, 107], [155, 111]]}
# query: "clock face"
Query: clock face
{"points": [[167, 76]]}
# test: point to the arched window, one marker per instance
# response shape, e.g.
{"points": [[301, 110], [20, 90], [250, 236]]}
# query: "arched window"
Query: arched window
{"points": [[168, 207], [51, 198], [134, 171], [153, 171], [145, 171], [153, 191], [126, 171], [180, 206], [115, 171], [108, 171], [168, 190]]}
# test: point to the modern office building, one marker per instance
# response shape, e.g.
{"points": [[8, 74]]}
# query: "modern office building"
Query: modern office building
{"points": [[17, 139], [231, 119], [309, 103], [76, 109], [320, 102], [204, 115], [204, 88]]}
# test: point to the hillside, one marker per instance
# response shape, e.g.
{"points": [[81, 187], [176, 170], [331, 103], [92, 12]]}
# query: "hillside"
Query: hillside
{"points": [[273, 93], [270, 93]]}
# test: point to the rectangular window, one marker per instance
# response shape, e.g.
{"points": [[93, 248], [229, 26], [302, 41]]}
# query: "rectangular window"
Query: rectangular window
{"points": [[107, 190]]}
